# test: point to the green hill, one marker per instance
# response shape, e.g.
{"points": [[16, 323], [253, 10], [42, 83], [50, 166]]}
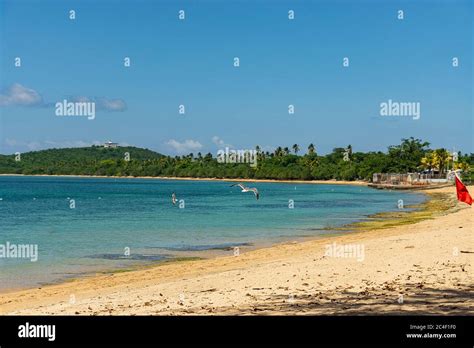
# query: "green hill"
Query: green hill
{"points": [[83, 160]]}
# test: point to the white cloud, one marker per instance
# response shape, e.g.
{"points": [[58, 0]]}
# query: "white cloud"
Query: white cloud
{"points": [[18, 145], [186, 146], [220, 142], [71, 143], [19, 95], [102, 103], [111, 104]]}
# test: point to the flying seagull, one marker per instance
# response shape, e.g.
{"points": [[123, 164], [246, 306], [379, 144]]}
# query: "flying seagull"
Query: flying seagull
{"points": [[248, 189], [173, 198]]}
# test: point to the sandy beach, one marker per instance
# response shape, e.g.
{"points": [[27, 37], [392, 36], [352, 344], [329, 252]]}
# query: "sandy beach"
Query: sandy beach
{"points": [[420, 268]]}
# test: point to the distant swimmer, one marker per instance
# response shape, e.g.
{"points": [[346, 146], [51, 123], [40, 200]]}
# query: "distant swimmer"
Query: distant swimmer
{"points": [[248, 189]]}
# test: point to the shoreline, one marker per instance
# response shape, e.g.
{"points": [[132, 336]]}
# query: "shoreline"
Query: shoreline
{"points": [[321, 182], [285, 181], [93, 289], [374, 220]]}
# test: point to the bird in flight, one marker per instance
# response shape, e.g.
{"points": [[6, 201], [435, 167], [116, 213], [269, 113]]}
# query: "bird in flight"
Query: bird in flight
{"points": [[173, 198], [248, 189]]}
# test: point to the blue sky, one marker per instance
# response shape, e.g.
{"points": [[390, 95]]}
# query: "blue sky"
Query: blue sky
{"points": [[190, 62]]}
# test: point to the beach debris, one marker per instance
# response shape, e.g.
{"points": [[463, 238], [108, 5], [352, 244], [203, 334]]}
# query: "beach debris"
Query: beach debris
{"points": [[248, 189], [209, 290]]}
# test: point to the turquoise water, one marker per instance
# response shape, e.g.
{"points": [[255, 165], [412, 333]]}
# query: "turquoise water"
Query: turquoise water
{"points": [[113, 214]]}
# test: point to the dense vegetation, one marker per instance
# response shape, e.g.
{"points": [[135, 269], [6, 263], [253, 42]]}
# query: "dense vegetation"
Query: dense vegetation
{"points": [[412, 155]]}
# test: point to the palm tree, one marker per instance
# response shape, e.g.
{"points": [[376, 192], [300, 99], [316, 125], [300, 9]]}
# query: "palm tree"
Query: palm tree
{"points": [[349, 149], [463, 165], [441, 158], [428, 162], [260, 154], [278, 151], [311, 149], [286, 151], [296, 148]]}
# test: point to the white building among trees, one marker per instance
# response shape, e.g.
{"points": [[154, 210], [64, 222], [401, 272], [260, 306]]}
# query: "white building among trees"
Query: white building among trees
{"points": [[110, 145]]}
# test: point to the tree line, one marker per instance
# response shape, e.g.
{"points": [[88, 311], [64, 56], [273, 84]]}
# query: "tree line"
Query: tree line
{"points": [[284, 163]]}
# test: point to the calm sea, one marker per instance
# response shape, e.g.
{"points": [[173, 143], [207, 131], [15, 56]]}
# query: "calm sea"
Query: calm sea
{"points": [[86, 225]]}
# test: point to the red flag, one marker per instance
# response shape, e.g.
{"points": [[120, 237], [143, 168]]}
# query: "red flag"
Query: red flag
{"points": [[463, 193]]}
